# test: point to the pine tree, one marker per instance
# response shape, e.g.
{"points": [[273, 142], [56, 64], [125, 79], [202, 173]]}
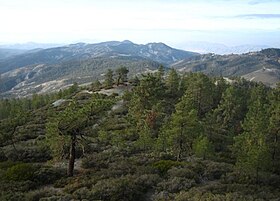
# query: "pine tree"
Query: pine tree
{"points": [[251, 146], [96, 85], [203, 147], [199, 92], [109, 80], [172, 83], [274, 128], [225, 121], [121, 75], [66, 128], [160, 72], [184, 128]]}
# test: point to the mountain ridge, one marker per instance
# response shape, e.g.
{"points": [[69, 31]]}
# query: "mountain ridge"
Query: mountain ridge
{"points": [[41, 71], [154, 51], [265, 62]]}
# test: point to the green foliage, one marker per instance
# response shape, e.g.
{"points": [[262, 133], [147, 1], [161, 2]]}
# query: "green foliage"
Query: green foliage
{"points": [[96, 85], [28, 153], [21, 172], [224, 140], [121, 75], [48, 175], [203, 147], [225, 121], [251, 146], [123, 188], [176, 184], [183, 130], [164, 165], [172, 83], [109, 80], [274, 128], [199, 94], [39, 195]]}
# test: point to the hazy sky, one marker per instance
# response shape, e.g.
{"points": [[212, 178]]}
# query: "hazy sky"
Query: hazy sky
{"points": [[232, 22]]}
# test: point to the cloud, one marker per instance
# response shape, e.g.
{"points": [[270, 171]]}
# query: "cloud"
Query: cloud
{"points": [[259, 16]]}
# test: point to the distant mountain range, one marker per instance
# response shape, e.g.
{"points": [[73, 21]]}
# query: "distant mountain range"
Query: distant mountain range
{"points": [[45, 70], [158, 52], [29, 46], [217, 48]]}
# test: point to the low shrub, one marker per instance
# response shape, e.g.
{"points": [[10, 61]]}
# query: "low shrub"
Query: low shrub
{"points": [[96, 160], [12, 196], [176, 184], [16, 186], [37, 195], [163, 166], [21, 172], [123, 188], [29, 154], [47, 175], [214, 170], [182, 172], [7, 164], [2, 156]]}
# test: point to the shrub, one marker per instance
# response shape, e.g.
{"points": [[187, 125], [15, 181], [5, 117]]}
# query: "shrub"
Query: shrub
{"points": [[82, 194], [47, 175], [58, 198], [38, 194], [96, 160], [163, 166], [7, 164], [21, 172], [182, 172], [147, 181], [215, 170], [29, 154], [16, 186], [124, 188], [2, 156], [12, 196], [176, 184]]}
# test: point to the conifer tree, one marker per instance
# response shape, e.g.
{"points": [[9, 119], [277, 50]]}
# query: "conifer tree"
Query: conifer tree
{"points": [[109, 80], [172, 83], [251, 146], [199, 92], [66, 128], [121, 75], [274, 128]]}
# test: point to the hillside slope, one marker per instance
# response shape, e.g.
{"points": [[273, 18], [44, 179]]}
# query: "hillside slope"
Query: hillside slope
{"points": [[158, 52], [261, 66], [44, 78]]}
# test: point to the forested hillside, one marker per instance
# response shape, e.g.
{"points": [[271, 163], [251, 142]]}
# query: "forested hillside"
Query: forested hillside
{"points": [[160, 136]]}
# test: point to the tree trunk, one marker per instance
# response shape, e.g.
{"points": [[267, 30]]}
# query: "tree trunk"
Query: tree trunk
{"points": [[72, 156]]}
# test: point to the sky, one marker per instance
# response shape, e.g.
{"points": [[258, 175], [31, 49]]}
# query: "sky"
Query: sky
{"points": [[174, 22]]}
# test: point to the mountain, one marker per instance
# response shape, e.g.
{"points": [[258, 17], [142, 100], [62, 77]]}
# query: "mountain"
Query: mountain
{"points": [[46, 70], [158, 52], [42, 78], [29, 46], [261, 66], [5, 53], [217, 48]]}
